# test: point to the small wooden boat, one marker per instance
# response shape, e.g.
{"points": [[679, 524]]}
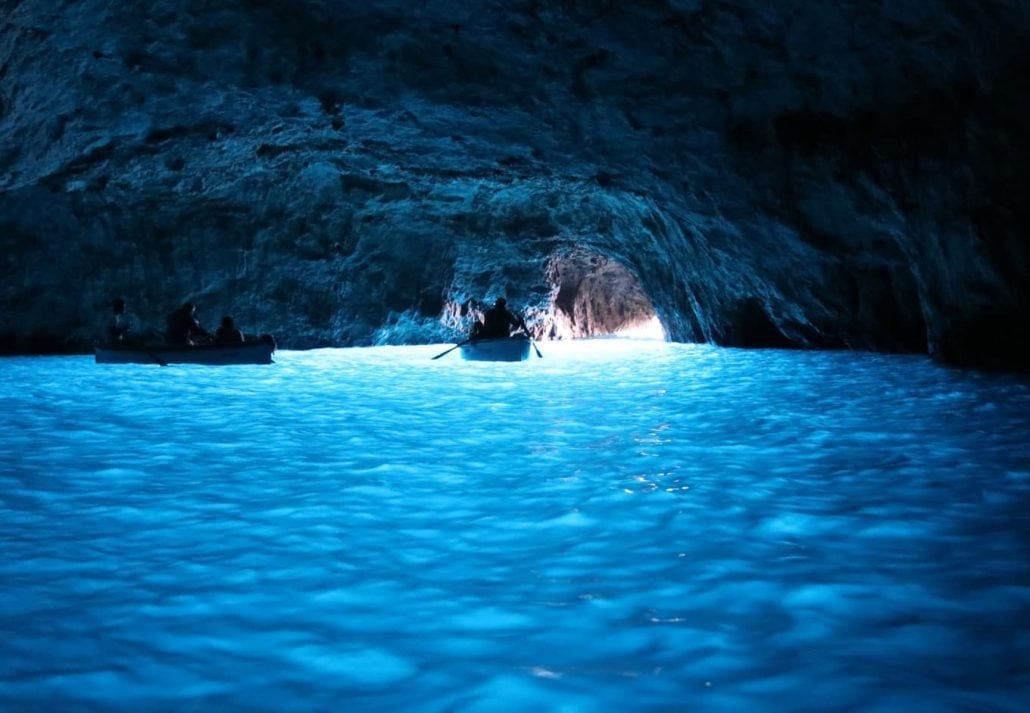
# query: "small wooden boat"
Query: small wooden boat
{"points": [[503, 349], [256, 351]]}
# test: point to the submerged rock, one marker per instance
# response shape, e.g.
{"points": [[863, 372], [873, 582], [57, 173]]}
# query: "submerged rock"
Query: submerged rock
{"points": [[336, 173]]}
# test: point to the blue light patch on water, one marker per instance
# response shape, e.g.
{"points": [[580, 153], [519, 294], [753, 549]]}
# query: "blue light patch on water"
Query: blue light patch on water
{"points": [[620, 525]]}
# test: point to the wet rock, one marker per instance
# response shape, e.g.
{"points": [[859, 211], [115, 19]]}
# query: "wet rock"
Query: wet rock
{"points": [[828, 176]]}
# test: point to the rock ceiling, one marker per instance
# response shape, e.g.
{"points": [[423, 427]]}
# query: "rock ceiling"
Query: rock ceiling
{"points": [[792, 174]]}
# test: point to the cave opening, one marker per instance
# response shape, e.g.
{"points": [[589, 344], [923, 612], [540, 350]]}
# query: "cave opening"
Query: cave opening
{"points": [[594, 295]]}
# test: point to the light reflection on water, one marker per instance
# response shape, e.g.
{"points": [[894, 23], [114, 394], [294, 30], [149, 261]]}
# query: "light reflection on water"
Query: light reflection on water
{"points": [[617, 526]]}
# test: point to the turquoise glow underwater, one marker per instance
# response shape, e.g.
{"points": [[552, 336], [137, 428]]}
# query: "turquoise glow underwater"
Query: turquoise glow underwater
{"points": [[619, 525]]}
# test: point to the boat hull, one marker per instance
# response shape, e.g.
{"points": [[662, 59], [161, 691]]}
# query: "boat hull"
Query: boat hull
{"points": [[258, 351], [509, 349]]}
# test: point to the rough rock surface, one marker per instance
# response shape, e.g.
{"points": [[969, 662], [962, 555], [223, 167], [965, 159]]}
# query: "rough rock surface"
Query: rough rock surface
{"points": [[348, 173]]}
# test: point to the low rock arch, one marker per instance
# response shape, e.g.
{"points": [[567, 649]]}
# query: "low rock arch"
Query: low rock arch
{"points": [[595, 295]]}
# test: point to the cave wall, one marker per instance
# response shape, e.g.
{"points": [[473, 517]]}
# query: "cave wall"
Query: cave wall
{"points": [[338, 173]]}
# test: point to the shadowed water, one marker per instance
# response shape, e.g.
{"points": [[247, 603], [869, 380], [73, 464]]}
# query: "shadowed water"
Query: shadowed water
{"points": [[619, 525]]}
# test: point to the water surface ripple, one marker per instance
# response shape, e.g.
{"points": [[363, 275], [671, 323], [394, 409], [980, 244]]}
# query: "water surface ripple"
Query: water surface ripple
{"points": [[617, 526]]}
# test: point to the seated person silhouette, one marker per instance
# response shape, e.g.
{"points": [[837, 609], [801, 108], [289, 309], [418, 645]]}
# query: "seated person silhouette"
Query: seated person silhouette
{"points": [[498, 322], [228, 333], [183, 327], [120, 325]]}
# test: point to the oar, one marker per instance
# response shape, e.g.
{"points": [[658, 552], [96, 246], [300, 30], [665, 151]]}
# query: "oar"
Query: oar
{"points": [[530, 338], [150, 334], [459, 344]]}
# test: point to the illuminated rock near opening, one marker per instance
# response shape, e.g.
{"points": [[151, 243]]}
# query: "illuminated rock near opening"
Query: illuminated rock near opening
{"points": [[594, 295], [342, 173]]}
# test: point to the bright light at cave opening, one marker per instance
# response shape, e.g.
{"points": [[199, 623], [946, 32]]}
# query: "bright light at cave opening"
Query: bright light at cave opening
{"points": [[649, 329]]}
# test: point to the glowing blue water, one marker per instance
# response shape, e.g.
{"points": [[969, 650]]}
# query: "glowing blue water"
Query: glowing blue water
{"points": [[617, 526]]}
